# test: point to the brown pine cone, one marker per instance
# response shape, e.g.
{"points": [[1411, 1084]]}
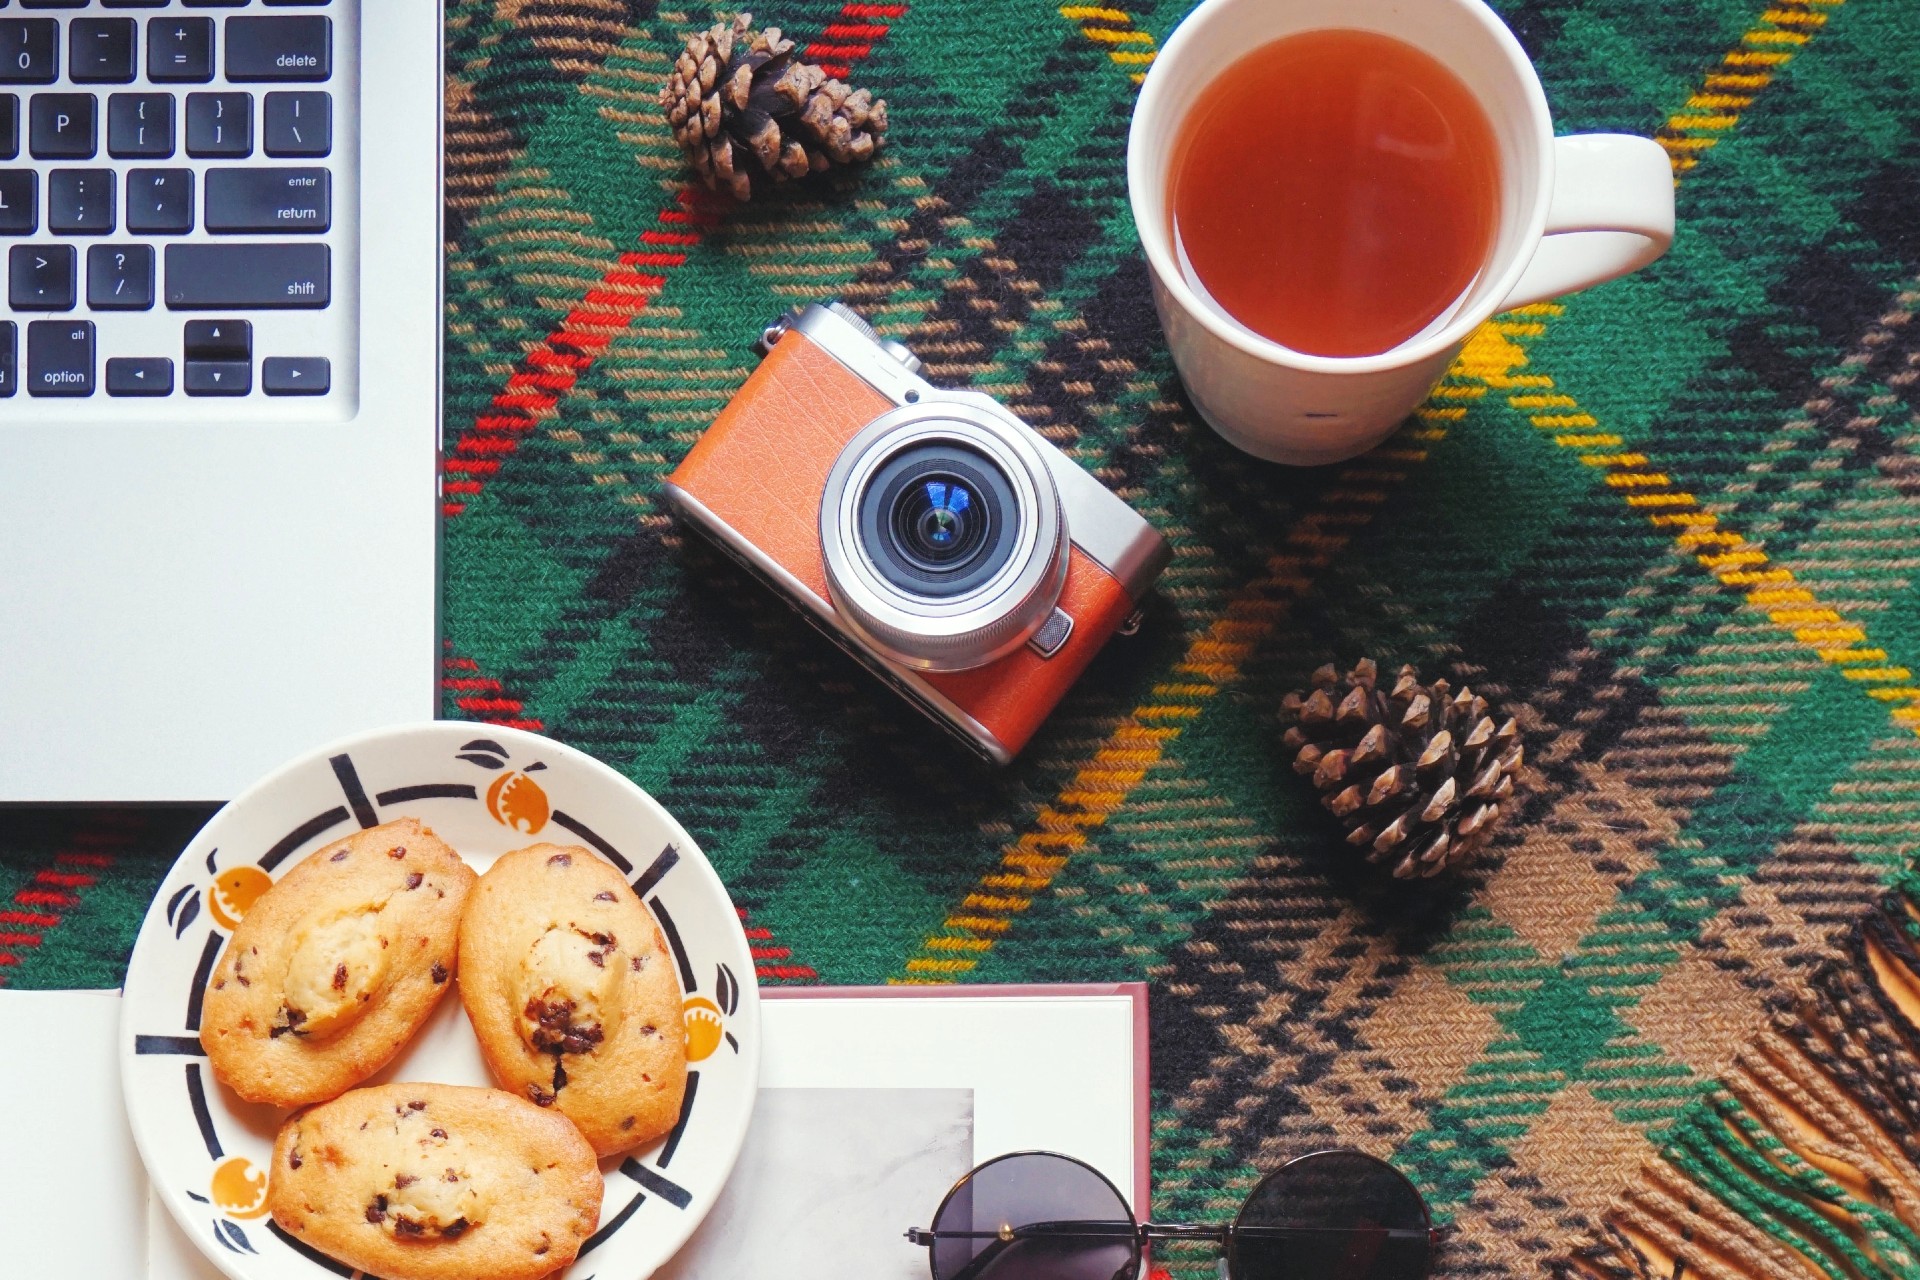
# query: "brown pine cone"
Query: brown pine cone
{"points": [[1418, 775], [750, 115]]}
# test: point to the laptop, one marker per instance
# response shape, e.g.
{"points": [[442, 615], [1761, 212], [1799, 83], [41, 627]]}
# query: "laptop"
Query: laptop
{"points": [[219, 387]]}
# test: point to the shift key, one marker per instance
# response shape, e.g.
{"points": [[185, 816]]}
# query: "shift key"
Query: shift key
{"points": [[251, 201], [222, 277]]}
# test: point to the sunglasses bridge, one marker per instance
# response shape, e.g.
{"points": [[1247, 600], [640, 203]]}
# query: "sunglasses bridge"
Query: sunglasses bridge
{"points": [[1221, 1232]]}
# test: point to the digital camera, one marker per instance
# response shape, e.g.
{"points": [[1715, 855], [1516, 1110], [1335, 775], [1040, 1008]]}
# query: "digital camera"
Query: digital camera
{"points": [[933, 535]]}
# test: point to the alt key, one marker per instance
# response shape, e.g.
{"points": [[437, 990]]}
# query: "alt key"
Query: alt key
{"points": [[295, 375], [60, 358], [147, 376]]}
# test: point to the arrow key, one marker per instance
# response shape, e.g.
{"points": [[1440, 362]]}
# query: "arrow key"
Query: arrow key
{"points": [[140, 377], [295, 376], [219, 377], [219, 340]]}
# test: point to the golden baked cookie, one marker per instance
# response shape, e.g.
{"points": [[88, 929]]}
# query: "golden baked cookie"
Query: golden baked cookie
{"points": [[571, 990], [336, 966], [436, 1182]]}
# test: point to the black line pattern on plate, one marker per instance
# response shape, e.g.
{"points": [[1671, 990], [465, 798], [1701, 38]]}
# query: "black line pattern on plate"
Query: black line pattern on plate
{"points": [[233, 1237], [197, 993], [428, 791], [356, 794], [618, 1221], [669, 859], [300, 835], [197, 1097], [211, 855], [680, 1125], [183, 1046], [307, 1251], [666, 1188], [593, 838], [687, 983]]}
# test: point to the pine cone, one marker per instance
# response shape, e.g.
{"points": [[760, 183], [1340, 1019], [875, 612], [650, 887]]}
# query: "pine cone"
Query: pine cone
{"points": [[750, 115], [1418, 775]]}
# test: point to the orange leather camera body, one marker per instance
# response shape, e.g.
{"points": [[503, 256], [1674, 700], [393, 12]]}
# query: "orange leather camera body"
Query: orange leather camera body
{"points": [[933, 535]]}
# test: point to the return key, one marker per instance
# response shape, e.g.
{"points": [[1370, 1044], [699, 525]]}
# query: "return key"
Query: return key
{"points": [[245, 201]]}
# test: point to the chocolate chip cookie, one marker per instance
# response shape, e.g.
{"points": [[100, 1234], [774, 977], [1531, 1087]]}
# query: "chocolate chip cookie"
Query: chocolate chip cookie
{"points": [[336, 966], [436, 1182], [571, 991]]}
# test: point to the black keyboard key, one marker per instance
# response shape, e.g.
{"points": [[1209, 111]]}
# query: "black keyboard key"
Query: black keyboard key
{"points": [[29, 50], [135, 4], [280, 48], [64, 126], [80, 202], [120, 277], [223, 378], [179, 50], [53, 4], [9, 370], [140, 126], [216, 4], [254, 277], [144, 376], [101, 51], [220, 125], [19, 202], [268, 200], [60, 358], [298, 123], [9, 125], [40, 277], [295, 375], [218, 341], [160, 201]]}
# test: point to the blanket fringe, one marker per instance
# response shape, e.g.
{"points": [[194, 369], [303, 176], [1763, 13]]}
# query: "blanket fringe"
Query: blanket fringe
{"points": [[1803, 1161]]}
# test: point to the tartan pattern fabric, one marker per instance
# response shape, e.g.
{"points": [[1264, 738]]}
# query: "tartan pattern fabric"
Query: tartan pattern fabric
{"points": [[1669, 523]]}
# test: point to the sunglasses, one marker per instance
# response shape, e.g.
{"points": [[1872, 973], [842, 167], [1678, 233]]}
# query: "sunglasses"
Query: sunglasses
{"points": [[1037, 1215]]}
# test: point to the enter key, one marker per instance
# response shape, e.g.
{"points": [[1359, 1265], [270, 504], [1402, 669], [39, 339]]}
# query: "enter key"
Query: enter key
{"points": [[280, 201]]}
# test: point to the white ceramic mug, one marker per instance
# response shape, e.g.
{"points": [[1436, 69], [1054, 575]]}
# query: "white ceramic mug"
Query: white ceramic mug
{"points": [[1573, 212]]}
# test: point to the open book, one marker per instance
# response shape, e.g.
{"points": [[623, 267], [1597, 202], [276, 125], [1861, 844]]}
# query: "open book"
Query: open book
{"points": [[873, 1101]]}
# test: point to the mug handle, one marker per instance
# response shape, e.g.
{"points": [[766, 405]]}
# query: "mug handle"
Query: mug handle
{"points": [[1611, 214]]}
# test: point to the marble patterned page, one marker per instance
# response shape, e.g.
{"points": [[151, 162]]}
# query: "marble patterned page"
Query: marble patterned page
{"points": [[829, 1181]]}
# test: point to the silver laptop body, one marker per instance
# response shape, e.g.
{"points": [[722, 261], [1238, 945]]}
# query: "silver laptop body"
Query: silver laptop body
{"points": [[200, 582]]}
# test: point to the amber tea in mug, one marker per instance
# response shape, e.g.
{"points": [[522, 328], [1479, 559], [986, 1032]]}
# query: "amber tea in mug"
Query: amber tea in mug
{"points": [[1335, 191]]}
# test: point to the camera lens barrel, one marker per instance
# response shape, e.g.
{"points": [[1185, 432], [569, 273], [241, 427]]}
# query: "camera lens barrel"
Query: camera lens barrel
{"points": [[944, 538]]}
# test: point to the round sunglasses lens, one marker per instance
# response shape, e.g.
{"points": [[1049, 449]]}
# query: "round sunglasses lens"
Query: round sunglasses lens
{"points": [[1034, 1217], [1335, 1215]]}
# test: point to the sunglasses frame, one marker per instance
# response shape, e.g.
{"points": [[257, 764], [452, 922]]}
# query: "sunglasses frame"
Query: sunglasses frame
{"points": [[1144, 1233]]}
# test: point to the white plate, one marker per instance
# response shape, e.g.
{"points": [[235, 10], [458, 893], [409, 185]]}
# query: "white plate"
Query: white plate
{"points": [[484, 789]]}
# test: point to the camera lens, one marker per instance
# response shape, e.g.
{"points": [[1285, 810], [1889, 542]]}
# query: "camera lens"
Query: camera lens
{"points": [[938, 519], [944, 539], [938, 523]]}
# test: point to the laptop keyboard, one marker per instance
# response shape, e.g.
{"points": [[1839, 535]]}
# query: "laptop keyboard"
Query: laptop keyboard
{"points": [[177, 186]]}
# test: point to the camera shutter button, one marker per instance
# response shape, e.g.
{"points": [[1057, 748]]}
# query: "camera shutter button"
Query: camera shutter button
{"points": [[899, 351]]}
